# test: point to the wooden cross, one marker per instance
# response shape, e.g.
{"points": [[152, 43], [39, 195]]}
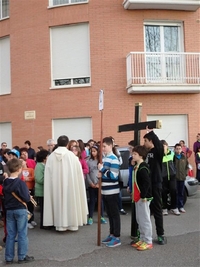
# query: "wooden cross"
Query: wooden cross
{"points": [[137, 126]]}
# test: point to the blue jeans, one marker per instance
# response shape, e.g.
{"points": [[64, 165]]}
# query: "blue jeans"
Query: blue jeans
{"points": [[16, 225], [93, 193]]}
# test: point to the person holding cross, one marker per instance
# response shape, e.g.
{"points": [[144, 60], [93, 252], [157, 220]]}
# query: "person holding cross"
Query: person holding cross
{"points": [[154, 160]]}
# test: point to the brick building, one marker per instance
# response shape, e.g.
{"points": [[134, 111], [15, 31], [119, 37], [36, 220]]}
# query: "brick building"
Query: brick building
{"points": [[55, 56]]}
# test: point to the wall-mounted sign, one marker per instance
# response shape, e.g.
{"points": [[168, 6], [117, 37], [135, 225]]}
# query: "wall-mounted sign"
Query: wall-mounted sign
{"points": [[30, 115]]}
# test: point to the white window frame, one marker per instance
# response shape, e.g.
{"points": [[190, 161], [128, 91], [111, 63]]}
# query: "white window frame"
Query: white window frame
{"points": [[160, 24], [69, 78], [1, 9], [51, 5]]}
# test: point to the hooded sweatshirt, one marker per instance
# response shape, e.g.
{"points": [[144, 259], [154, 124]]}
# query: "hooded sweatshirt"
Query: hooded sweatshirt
{"points": [[19, 188]]}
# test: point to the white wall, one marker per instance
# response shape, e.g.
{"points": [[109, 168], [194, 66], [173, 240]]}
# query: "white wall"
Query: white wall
{"points": [[74, 128], [6, 133], [174, 128]]}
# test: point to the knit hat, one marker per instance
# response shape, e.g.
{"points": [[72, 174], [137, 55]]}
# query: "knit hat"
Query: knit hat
{"points": [[15, 152]]}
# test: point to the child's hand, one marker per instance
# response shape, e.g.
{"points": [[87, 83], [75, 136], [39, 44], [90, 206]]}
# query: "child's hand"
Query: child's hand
{"points": [[5, 175], [99, 175], [100, 166], [148, 130], [128, 190]]}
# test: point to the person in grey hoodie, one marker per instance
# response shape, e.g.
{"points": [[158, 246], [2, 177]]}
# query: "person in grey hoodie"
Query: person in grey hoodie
{"points": [[93, 183]]}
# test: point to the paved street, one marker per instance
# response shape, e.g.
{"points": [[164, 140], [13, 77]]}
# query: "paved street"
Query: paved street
{"points": [[51, 248]]}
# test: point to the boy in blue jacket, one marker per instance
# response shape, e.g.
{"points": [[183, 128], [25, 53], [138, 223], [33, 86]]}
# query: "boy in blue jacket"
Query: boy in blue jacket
{"points": [[110, 191], [16, 213]]}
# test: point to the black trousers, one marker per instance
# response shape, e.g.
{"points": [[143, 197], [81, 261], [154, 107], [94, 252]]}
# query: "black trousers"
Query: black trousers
{"points": [[156, 209], [41, 204], [169, 186], [134, 225], [111, 205]]}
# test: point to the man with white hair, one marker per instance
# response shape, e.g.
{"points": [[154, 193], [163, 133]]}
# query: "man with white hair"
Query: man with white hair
{"points": [[50, 145]]}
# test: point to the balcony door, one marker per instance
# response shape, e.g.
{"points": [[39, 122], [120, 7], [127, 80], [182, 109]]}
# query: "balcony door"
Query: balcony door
{"points": [[163, 44]]}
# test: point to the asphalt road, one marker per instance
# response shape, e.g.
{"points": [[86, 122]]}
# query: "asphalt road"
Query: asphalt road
{"points": [[51, 248]]}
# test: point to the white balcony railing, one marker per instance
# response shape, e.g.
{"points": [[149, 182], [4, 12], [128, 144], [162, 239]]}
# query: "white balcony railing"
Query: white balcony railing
{"points": [[163, 68]]}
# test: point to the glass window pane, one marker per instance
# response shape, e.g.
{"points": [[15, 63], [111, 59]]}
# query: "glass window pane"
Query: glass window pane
{"points": [[171, 40], [5, 8], [152, 38], [60, 2]]}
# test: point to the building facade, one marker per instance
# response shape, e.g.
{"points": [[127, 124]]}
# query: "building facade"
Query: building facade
{"points": [[56, 55]]}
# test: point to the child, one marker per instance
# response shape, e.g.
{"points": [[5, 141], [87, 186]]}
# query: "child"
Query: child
{"points": [[142, 196], [197, 160], [29, 178], [181, 164], [169, 180], [110, 191], [93, 183], [76, 150], [154, 161], [41, 158], [16, 213]]}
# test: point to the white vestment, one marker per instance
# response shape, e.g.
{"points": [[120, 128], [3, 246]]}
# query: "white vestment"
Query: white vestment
{"points": [[65, 201]]}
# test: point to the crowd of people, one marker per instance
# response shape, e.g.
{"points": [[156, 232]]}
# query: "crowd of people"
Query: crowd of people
{"points": [[57, 177]]}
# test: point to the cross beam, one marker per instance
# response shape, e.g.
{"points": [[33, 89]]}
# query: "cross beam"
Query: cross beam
{"points": [[140, 126]]}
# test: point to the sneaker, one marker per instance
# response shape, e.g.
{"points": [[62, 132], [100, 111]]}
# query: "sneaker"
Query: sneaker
{"points": [[33, 223], [103, 221], [107, 239], [30, 226], [122, 212], [164, 212], [162, 240], [182, 210], [26, 259], [115, 242], [175, 211], [135, 239], [9, 262], [90, 221], [137, 244], [144, 246]]}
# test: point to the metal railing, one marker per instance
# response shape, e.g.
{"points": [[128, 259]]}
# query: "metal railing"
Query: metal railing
{"points": [[163, 68]]}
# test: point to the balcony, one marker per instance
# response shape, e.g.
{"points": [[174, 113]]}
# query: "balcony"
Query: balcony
{"points": [[186, 5], [155, 72]]}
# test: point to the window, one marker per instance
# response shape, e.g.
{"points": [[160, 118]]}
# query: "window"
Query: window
{"points": [[4, 9], [5, 83], [65, 2], [163, 44], [70, 55]]}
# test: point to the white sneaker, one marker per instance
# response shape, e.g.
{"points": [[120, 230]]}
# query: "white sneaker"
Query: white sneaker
{"points": [[164, 212], [33, 223], [182, 210], [175, 211], [30, 226]]}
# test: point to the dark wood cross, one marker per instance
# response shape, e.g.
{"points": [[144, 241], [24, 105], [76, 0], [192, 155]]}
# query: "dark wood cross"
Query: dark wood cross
{"points": [[137, 126]]}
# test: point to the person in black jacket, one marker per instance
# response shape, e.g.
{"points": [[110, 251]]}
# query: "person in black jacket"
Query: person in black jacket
{"points": [[16, 213], [154, 160]]}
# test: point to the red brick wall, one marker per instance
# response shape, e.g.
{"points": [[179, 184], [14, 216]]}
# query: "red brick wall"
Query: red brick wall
{"points": [[114, 32]]}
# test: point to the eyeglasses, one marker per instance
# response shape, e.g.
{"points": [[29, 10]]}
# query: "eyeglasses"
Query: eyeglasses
{"points": [[4, 145]]}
